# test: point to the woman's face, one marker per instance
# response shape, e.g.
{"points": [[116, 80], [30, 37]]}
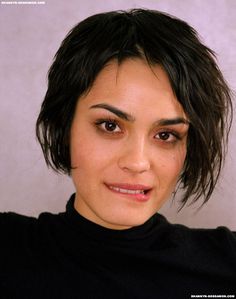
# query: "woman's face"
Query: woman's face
{"points": [[128, 145]]}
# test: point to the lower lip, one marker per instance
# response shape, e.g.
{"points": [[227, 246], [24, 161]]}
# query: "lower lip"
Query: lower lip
{"points": [[137, 197]]}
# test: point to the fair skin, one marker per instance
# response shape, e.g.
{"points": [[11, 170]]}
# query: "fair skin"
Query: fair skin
{"points": [[128, 145]]}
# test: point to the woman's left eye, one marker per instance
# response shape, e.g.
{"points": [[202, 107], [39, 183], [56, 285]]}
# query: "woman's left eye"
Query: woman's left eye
{"points": [[167, 136]]}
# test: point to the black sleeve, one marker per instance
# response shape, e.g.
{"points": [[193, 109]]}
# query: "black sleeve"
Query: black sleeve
{"points": [[15, 232]]}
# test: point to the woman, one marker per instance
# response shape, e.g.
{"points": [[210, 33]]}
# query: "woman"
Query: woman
{"points": [[135, 107]]}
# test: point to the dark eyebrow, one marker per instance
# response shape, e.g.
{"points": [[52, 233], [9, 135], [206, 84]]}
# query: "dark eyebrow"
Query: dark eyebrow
{"points": [[118, 112], [172, 121], [129, 117]]}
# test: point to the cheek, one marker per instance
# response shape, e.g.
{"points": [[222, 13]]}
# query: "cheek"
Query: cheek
{"points": [[90, 154], [178, 160], [171, 167], [84, 163]]}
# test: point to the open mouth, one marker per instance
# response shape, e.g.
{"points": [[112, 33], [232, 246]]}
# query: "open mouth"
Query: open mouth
{"points": [[128, 191], [139, 192]]}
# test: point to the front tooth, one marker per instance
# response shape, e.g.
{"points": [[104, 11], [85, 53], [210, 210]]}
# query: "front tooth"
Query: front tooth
{"points": [[127, 191], [123, 190]]}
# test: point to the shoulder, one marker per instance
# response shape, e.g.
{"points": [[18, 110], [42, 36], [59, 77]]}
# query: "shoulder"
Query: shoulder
{"points": [[207, 240], [15, 230], [216, 243], [26, 240], [210, 235], [13, 225], [11, 222], [207, 235], [210, 252], [19, 231]]}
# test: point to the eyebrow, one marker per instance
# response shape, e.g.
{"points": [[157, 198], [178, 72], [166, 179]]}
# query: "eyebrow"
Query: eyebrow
{"points": [[116, 111], [172, 121], [128, 117]]}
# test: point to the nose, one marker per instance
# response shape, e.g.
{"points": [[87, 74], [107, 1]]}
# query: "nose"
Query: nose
{"points": [[134, 157]]}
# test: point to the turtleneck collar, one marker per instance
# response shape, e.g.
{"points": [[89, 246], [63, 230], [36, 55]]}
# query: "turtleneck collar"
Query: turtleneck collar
{"points": [[138, 234]]}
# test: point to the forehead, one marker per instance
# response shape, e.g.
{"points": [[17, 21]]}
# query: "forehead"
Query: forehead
{"points": [[134, 85], [130, 72]]}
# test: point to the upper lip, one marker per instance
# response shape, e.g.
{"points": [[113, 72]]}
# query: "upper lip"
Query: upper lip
{"points": [[129, 186]]}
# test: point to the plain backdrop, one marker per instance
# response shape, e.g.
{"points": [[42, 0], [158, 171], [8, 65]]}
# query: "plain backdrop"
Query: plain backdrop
{"points": [[30, 34]]}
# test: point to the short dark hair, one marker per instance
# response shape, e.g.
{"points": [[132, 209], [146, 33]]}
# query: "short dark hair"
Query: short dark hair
{"points": [[159, 39]]}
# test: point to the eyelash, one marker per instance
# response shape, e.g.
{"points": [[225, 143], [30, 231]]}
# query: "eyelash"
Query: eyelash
{"points": [[101, 122]]}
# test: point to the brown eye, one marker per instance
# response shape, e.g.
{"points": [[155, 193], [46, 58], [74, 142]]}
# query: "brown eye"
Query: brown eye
{"points": [[164, 135], [168, 137], [110, 126]]}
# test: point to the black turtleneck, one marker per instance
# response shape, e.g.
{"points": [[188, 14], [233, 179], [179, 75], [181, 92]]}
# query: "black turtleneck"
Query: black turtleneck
{"points": [[66, 256]]}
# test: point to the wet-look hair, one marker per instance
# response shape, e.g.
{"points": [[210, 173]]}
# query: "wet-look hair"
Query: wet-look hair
{"points": [[157, 38]]}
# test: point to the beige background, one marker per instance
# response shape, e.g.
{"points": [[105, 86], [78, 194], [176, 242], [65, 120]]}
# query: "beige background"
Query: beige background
{"points": [[29, 37]]}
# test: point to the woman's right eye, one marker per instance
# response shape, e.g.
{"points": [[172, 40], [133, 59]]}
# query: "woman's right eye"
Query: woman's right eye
{"points": [[108, 126]]}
